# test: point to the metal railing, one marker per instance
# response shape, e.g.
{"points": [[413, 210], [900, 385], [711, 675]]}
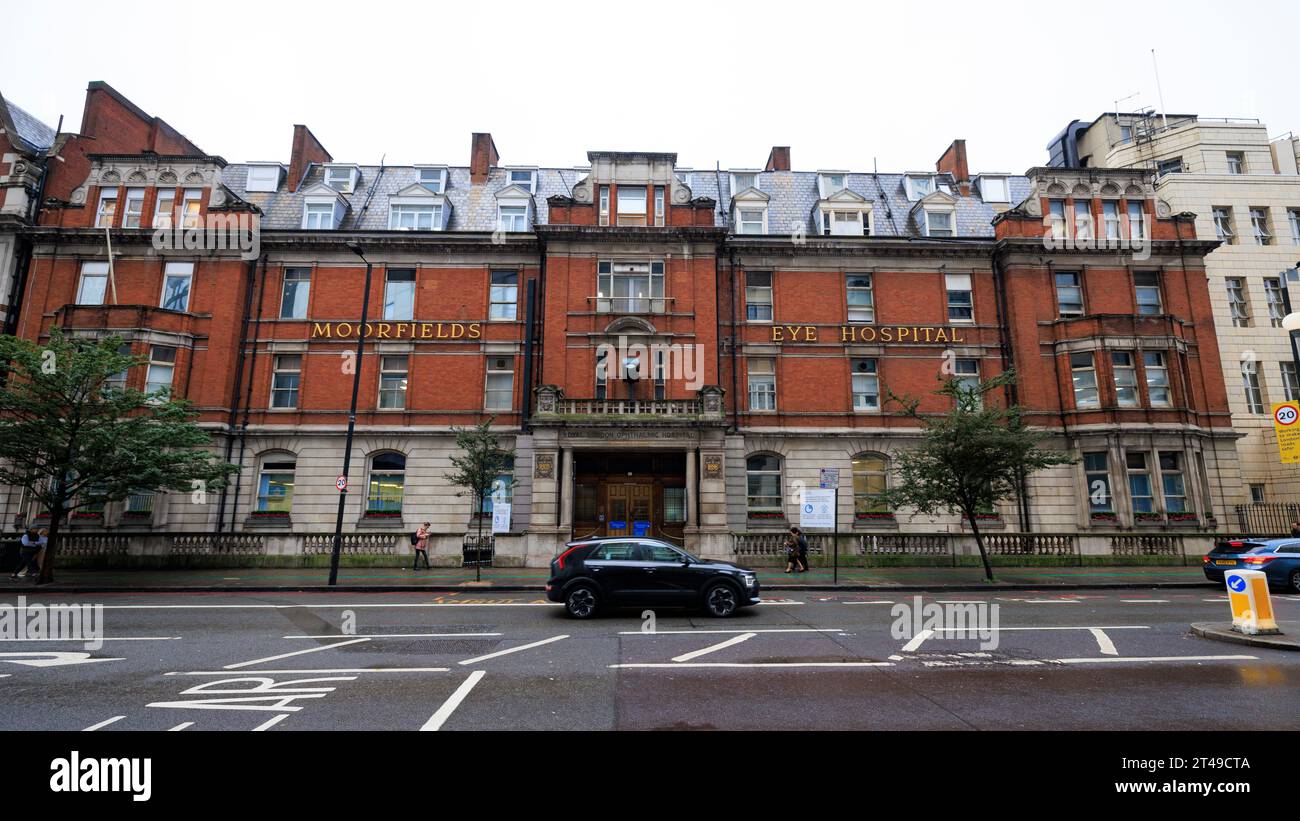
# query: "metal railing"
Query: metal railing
{"points": [[1265, 518], [625, 407]]}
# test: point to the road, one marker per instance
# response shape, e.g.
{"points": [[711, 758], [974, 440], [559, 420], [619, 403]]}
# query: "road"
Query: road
{"points": [[1102, 659]]}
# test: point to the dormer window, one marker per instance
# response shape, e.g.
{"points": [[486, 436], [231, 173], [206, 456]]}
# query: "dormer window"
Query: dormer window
{"points": [[683, 176], [434, 179], [631, 205], [415, 217], [939, 223], [836, 223], [525, 178], [512, 218], [263, 178], [342, 178], [741, 180], [995, 189], [830, 182], [919, 186], [318, 216], [751, 220]]}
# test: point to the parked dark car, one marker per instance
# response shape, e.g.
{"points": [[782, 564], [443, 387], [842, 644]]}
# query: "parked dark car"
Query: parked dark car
{"points": [[1279, 559], [618, 571]]}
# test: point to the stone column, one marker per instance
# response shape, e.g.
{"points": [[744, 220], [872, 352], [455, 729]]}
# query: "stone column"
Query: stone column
{"points": [[566, 483], [692, 514]]}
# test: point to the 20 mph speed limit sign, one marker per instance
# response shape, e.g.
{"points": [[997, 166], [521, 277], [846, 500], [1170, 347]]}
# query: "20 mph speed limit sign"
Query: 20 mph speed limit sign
{"points": [[1286, 424]]}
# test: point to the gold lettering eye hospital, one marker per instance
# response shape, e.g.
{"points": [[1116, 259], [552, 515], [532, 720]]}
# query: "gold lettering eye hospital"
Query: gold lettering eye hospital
{"points": [[869, 333], [415, 331]]}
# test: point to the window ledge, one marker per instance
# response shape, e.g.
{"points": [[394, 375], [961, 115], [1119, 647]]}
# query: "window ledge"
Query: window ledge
{"points": [[381, 522]]}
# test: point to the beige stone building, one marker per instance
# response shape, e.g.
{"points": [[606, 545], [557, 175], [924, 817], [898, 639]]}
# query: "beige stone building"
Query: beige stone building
{"points": [[1244, 189]]}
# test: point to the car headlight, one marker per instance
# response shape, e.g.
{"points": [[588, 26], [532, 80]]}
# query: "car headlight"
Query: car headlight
{"points": [[750, 580]]}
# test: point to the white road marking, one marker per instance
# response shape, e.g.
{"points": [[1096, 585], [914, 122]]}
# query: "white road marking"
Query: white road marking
{"points": [[1104, 643], [509, 650], [755, 630], [180, 727], [92, 728], [329, 606], [722, 645], [397, 636], [997, 629], [51, 658], [1225, 598], [106, 638], [960, 601], [1155, 658], [1145, 601], [453, 701], [294, 653], [780, 601], [269, 723], [916, 641], [867, 602], [1024, 663], [678, 666], [1047, 601], [895, 658], [329, 671]]}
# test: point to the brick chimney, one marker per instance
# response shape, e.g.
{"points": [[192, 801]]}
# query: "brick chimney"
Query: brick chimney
{"points": [[306, 150], [953, 162], [482, 156], [778, 159]]}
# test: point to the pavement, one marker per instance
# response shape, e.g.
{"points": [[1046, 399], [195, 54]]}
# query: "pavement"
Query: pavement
{"points": [[1287, 639], [517, 579], [1099, 659]]}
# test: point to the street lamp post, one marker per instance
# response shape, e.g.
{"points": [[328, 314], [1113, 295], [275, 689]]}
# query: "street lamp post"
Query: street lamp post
{"points": [[352, 417]]}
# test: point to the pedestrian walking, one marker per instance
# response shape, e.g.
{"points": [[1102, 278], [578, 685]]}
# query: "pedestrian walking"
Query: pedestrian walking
{"points": [[29, 546], [420, 541], [1295, 528], [801, 549], [791, 548]]}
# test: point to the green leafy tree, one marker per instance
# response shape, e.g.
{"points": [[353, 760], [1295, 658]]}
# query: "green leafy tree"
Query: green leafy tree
{"points": [[72, 436], [969, 459], [477, 467]]}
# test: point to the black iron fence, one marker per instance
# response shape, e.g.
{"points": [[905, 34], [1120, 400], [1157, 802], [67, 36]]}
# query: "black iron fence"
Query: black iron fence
{"points": [[1267, 518]]}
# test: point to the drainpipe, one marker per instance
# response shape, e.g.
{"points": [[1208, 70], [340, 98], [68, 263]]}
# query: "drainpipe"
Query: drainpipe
{"points": [[735, 377], [248, 394], [1009, 362], [529, 340], [239, 378]]}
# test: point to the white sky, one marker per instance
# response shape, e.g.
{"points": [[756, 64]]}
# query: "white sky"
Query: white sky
{"points": [[841, 83]]}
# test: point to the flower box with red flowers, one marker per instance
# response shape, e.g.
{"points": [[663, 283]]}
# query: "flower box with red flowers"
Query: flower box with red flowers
{"points": [[1183, 517], [1148, 518], [137, 515], [93, 516], [875, 516], [768, 516], [383, 514], [1103, 516]]}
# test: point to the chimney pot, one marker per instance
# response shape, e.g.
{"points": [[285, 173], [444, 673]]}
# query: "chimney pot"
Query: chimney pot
{"points": [[482, 156], [779, 158]]}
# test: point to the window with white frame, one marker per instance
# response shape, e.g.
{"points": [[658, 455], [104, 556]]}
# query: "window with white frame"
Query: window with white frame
{"points": [[342, 178], [659, 374], [286, 380], [758, 296], [499, 390], [604, 205], [525, 178], [133, 216], [177, 280], [191, 208], [1293, 215], [1083, 219], [1273, 296], [1056, 217], [866, 385], [631, 205], [861, 298], [845, 223], [162, 365], [967, 376], [1223, 224], [763, 487], [1146, 287], [434, 179], [1139, 481], [393, 374], [1157, 374], [164, 209], [318, 216], [870, 473], [1110, 218], [412, 217], [1290, 381], [504, 295], [399, 294], [295, 293], [1173, 165], [940, 223], [1259, 225], [1238, 308], [918, 186], [661, 211], [630, 287], [1096, 476], [262, 178], [1084, 376], [117, 381], [742, 180], [751, 220], [1124, 371], [387, 485], [512, 218], [995, 189], [1069, 294], [831, 182], [1172, 486], [1254, 395], [762, 384], [1137, 226], [275, 484], [107, 208], [1257, 495], [94, 283], [961, 307], [1236, 162]]}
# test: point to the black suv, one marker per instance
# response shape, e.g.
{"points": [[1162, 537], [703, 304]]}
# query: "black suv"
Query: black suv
{"points": [[621, 571]]}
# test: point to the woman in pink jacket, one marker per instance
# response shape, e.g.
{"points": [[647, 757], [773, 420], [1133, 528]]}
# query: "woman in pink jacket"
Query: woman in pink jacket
{"points": [[421, 546]]}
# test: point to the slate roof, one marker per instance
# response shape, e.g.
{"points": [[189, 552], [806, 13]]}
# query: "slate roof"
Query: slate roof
{"points": [[793, 195], [37, 135]]}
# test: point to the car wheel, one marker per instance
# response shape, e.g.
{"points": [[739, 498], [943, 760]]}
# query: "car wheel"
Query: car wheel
{"points": [[720, 600], [1295, 580], [581, 603]]}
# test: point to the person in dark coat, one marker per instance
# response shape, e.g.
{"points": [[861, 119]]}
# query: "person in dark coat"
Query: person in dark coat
{"points": [[801, 550], [29, 547], [1295, 528]]}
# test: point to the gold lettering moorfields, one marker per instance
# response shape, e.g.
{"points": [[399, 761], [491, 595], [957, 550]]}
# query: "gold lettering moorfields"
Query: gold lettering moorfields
{"points": [[870, 333], [447, 331]]}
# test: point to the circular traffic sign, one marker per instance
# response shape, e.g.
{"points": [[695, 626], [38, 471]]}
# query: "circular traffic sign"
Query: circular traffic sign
{"points": [[1237, 583], [1285, 415], [341, 483]]}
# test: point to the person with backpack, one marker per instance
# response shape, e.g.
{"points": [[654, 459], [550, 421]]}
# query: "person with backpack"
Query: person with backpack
{"points": [[801, 550], [420, 541], [29, 547]]}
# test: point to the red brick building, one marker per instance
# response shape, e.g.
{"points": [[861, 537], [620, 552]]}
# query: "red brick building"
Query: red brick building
{"points": [[669, 351]]}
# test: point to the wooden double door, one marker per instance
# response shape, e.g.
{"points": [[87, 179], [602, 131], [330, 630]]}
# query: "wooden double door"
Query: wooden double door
{"points": [[629, 509]]}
